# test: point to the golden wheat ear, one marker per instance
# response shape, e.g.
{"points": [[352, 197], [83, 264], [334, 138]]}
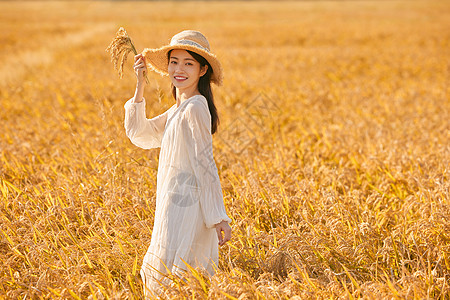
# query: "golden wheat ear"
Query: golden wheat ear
{"points": [[119, 48]]}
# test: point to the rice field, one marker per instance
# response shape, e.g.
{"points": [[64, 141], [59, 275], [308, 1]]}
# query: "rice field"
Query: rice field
{"points": [[333, 149]]}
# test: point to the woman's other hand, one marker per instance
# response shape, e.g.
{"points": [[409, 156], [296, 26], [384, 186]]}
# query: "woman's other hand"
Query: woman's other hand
{"points": [[226, 229], [140, 67]]}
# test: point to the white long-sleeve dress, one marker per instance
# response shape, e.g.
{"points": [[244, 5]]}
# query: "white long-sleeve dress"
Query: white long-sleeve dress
{"points": [[189, 199]]}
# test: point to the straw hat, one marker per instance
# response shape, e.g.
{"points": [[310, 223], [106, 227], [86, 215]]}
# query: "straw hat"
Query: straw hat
{"points": [[191, 40]]}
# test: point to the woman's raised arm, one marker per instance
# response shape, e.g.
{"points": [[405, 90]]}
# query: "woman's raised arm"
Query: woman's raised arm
{"points": [[144, 133], [140, 68]]}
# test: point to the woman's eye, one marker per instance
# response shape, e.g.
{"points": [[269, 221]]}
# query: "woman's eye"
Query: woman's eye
{"points": [[189, 64], [173, 62]]}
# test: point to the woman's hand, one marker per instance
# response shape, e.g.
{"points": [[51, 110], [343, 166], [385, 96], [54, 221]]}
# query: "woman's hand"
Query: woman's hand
{"points": [[140, 67], [226, 229]]}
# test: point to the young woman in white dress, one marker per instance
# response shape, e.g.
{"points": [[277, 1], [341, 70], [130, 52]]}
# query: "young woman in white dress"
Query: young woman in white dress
{"points": [[190, 218]]}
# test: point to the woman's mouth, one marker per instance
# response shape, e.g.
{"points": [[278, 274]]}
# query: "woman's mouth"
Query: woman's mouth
{"points": [[180, 78]]}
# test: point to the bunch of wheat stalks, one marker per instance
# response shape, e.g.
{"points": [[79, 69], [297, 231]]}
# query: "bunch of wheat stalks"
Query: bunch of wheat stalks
{"points": [[119, 49]]}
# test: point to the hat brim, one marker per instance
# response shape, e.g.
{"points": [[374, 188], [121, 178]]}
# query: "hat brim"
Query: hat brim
{"points": [[158, 61]]}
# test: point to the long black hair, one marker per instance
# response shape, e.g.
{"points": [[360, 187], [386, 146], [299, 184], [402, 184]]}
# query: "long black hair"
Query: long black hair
{"points": [[204, 87]]}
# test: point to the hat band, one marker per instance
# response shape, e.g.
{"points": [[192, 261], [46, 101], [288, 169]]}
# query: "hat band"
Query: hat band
{"points": [[188, 42]]}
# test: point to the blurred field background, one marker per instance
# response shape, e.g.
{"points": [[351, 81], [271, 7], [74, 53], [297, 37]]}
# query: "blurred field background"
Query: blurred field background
{"points": [[333, 149]]}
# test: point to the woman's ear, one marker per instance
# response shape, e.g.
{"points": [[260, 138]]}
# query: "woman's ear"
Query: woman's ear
{"points": [[203, 70]]}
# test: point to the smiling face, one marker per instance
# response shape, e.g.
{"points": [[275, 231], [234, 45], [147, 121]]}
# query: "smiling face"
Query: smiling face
{"points": [[184, 70]]}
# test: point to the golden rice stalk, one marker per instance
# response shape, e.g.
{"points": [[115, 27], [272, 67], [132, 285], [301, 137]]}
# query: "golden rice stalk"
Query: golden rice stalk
{"points": [[119, 49]]}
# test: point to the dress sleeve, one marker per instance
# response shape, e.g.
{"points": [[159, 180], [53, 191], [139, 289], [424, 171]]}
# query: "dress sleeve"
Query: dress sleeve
{"points": [[211, 197], [144, 133]]}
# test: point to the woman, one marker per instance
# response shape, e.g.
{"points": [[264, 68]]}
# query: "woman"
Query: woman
{"points": [[190, 217]]}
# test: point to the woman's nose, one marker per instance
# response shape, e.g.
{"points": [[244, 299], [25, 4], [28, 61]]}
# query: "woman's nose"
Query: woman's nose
{"points": [[179, 67]]}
